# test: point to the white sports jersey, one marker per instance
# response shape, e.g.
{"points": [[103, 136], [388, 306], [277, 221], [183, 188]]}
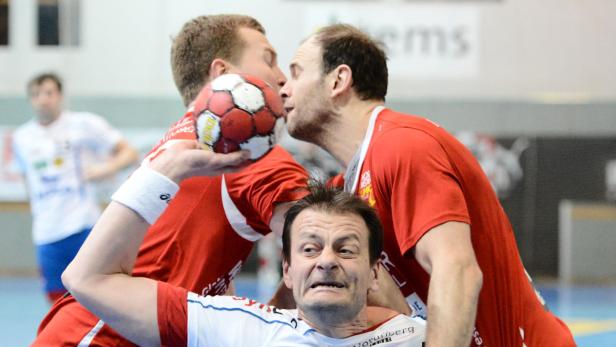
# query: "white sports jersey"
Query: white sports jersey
{"points": [[53, 158], [232, 321]]}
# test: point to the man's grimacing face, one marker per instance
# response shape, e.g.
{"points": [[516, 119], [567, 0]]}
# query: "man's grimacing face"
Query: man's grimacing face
{"points": [[329, 269]]}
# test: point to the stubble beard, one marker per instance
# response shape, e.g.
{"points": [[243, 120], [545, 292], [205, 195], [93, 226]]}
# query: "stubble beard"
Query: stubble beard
{"points": [[310, 124]]}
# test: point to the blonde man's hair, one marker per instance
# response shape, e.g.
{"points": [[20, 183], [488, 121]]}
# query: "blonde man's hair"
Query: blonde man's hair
{"points": [[202, 40]]}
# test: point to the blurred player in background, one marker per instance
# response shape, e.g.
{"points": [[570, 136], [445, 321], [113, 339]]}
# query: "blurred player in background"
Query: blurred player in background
{"points": [[209, 228], [446, 234], [60, 153]]}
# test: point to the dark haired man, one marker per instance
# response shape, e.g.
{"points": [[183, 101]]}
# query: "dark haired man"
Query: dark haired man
{"points": [[448, 241]]}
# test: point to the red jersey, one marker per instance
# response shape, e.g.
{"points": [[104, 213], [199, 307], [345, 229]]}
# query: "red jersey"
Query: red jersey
{"points": [[417, 176], [201, 240]]}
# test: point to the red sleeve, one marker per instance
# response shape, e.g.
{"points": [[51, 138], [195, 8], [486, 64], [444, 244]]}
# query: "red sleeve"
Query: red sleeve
{"points": [[336, 181], [423, 188], [172, 315], [273, 179]]}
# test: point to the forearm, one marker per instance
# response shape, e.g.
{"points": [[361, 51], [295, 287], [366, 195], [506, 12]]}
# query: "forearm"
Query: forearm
{"points": [[101, 272], [452, 305], [99, 276], [112, 245]]}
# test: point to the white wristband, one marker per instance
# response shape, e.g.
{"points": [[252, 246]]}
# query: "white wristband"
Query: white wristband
{"points": [[146, 192]]}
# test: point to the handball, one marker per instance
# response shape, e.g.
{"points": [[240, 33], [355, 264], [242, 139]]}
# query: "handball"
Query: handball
{"points": [[238, 111]]}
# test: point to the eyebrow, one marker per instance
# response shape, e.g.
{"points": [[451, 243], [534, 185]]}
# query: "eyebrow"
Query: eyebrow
{"points": [[313, 236], [347, 238]]}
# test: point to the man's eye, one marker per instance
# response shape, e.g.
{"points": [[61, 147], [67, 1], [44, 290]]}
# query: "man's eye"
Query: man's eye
{"points": [[309, 249]]}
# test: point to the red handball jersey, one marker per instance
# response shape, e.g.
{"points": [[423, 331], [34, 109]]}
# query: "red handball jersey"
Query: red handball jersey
{"points": [[417, 176], [201, 240]]}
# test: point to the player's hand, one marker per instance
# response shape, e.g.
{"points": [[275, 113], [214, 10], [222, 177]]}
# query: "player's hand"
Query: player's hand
{"points": [[187, 159]]}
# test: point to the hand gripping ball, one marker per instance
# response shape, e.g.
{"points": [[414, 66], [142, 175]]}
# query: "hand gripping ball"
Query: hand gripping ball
{"points": [[238, 111]]}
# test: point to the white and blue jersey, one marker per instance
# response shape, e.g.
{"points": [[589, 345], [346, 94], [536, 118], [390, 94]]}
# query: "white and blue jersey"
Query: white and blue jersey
{"points": [[53, 159]]}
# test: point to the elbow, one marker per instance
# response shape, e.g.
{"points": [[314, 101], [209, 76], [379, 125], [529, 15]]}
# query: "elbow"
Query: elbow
{"points": [[73, 281], [69, 280]]}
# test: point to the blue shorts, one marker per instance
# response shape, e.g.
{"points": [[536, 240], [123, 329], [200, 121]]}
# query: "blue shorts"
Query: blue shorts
{"points": [[54, 257]]}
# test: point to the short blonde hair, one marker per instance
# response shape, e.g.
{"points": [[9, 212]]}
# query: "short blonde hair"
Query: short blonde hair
{"points": [[202, 40]]}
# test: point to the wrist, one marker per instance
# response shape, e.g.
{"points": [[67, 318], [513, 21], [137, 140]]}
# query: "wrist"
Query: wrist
{"points": [[147, 192]]}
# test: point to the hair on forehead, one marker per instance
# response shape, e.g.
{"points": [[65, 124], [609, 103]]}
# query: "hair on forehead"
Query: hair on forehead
{"points": [[41, 78], [335, 201]]}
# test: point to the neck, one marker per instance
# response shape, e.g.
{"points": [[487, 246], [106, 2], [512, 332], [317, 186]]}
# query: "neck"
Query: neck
{"points": [[47, 120], [332, 325], [344, 134]]}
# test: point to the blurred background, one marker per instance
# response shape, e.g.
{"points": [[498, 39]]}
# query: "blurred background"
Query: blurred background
{"points": [[529, 86]]}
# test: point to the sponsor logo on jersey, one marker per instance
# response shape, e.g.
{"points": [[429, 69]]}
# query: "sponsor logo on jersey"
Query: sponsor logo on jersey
{"points": [[221, 284], [385, 337]]}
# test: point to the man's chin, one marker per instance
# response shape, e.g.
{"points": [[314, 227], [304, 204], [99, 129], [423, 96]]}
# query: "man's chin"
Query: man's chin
{"points": [[330, 311]]}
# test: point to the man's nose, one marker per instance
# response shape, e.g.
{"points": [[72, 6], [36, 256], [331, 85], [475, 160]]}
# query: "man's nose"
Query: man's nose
{"points": [[327, 260], [285, 91], [281, 78]]}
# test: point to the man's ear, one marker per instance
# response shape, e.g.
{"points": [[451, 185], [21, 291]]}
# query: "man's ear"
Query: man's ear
{"points": [[374, 271], [342, 80], [286, 277], [218, 67]]}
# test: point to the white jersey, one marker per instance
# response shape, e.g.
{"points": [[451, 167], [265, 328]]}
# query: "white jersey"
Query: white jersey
{"points": [[232, 321], [53, 159]]}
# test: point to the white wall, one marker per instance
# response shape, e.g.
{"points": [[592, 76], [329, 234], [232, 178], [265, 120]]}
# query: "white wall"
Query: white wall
{"points": [[548, 50]]}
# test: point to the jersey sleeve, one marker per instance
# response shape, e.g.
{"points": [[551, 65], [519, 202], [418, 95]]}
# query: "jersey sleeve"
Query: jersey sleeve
{"points": [[172, 315], [421, 184], [104, 136], [233, 321], [19, 163], [274, 179], [336, 181]]}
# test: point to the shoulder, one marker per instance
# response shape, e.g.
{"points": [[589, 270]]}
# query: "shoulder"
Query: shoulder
{"points": [[401, 142], [244, 309], [275, 157], [277, 163], [84, 118], [80, 114], [24, 131]]}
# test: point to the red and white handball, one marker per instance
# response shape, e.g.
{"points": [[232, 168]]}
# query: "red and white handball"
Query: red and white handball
{"points": [[238, 111]]}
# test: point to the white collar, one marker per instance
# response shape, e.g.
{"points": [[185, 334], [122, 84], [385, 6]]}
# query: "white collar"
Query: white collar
{"points": [[351, 176]]}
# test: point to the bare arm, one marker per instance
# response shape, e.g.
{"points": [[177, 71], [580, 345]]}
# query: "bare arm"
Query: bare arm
{"points": [[122, 156], [99, 276], [447, 254]]}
